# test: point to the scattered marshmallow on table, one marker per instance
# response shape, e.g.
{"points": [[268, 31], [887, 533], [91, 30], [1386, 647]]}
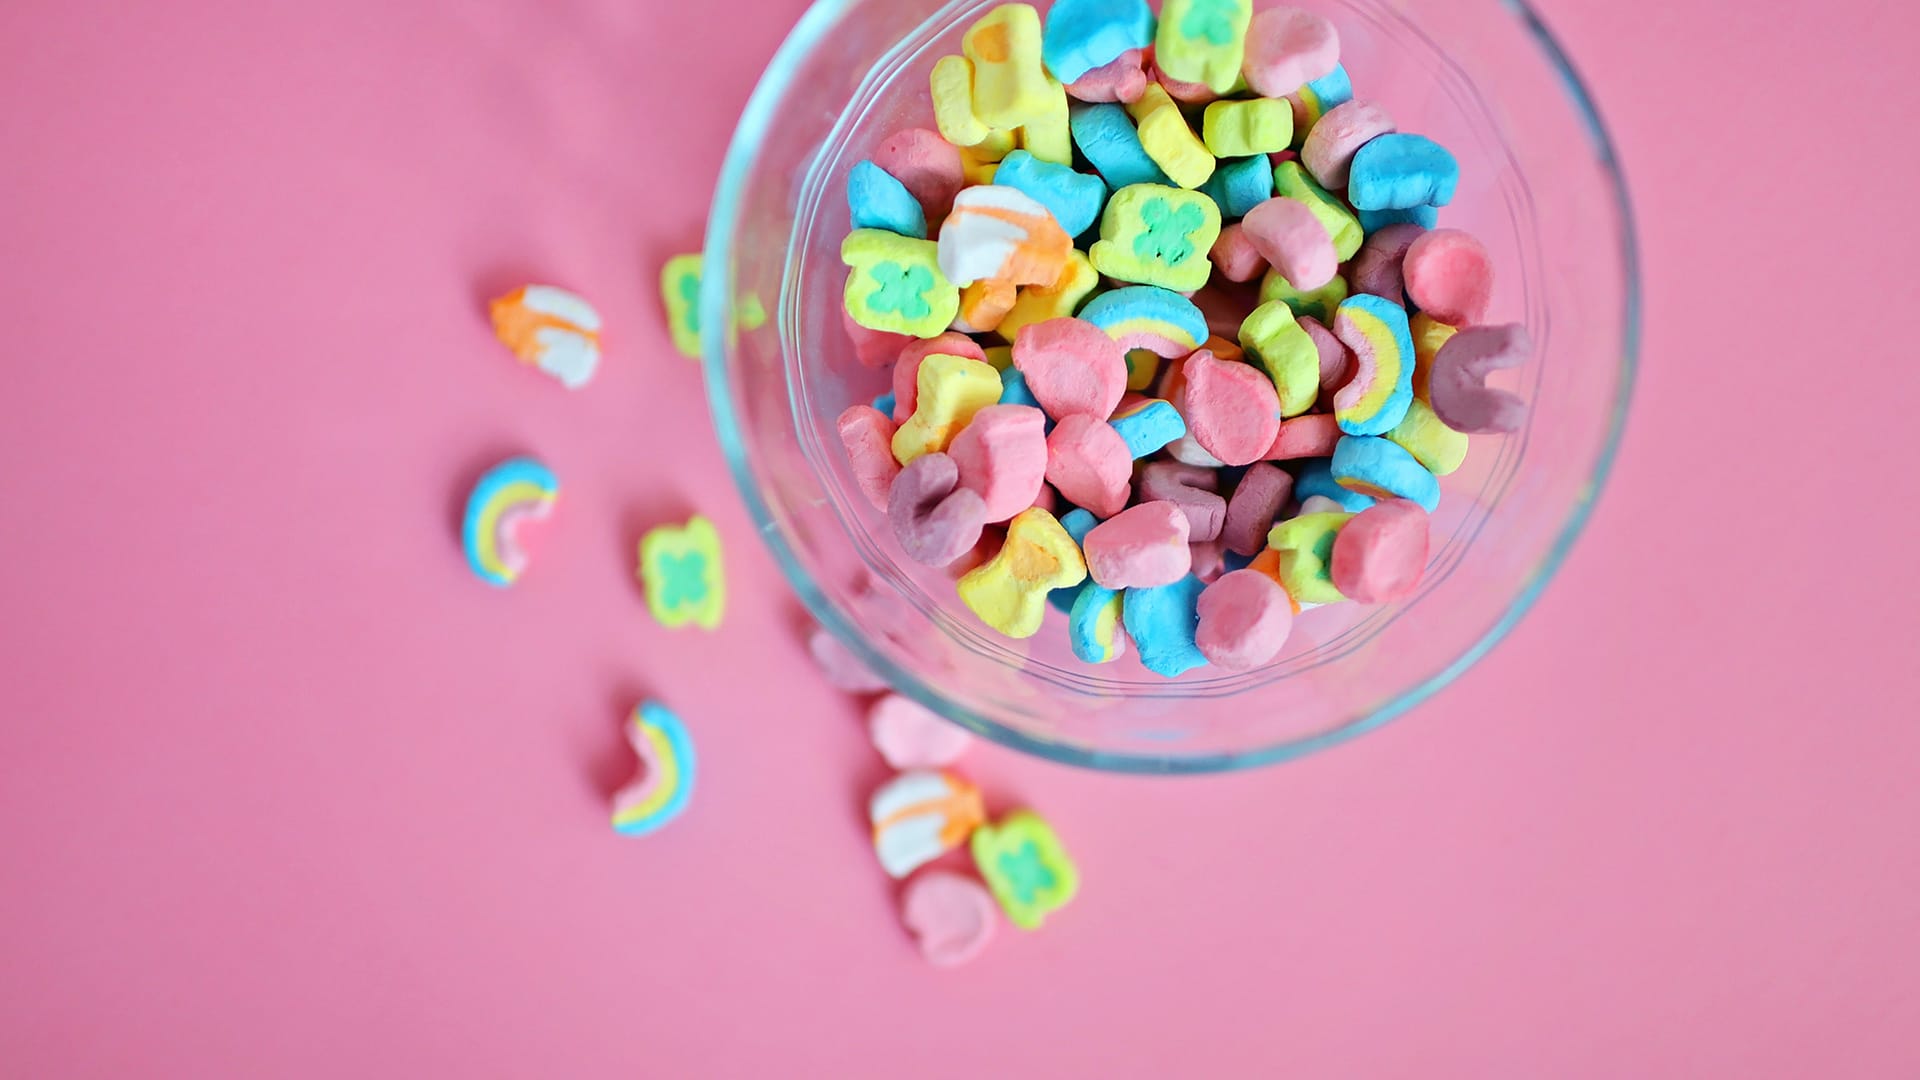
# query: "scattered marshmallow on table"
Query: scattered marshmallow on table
{"points": [[558, 331], [953, 917], [663, 786], [680, 291], [1026, 867], [921, 815], [683, 575], [910, 736], [507, 514]]}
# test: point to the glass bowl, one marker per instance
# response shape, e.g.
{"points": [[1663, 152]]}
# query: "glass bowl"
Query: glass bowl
{"points": [[1540, 187]]}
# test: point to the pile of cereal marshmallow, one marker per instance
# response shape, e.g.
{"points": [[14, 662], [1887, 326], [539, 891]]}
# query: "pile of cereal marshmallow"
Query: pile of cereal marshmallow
{"points": [[1035, 269]]}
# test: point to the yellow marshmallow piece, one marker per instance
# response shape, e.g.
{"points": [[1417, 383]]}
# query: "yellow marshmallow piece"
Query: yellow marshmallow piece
{"points": [[1151, 100], [1009, 81], [1036, 304], [1203, 41], [1433, 444], [978, 170], [1276, 342], [1000, 357], [1321, 303], [983, 305], [1291, 180], [951, 390], [1245, 128], [953, 102], [1305, 548], [1142, 366], [1429, 334], [1010, 592], [1048, 136], [1174, 147]]}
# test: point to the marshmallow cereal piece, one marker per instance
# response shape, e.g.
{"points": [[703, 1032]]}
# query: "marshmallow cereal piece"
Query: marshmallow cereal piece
{"points": [[1151, 234], [1330, 146], [556, 331], [1089, 464], [952, 916], [1461, 398], [1318, 304], [1437, 447], [1122, 80], [927, 164], [1145, 317], [1143, 546], [1072, 367], [1305, 547], [505, 515], [680, 290], [950, 390], [1292, 239], [1093, 625], [1003, 234], [1010, 84], [921, 815], [1287, 49], [1009, 592], [1026, 867], [1398, 171], [1002, 457], [877, 200], [1381, 554], [1233, 129], [911, 736], [1203, 41], [1084, 35], [895, 284], [1245, 618], [935, 520], [1275, 341], [682, 572], [1449, 275], [1383, 469], [1147, 424], [664, 785], [1375, 400], [1256, 502], [1038, 304], [1290, 180], [1161, 621], [867, 434]]}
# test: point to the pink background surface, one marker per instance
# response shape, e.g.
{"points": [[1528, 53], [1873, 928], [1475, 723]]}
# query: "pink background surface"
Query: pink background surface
{"points": [[287, 794]]}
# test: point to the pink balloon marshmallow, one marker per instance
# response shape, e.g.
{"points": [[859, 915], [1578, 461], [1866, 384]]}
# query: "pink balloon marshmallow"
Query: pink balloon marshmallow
{"points": [[1288, 48], [1122, 79], [1231, 408], [1002, 456], [1234, 255], [867, 434], [927, 165], [1089, 464], [953, 917], [1380, 555], [1289, 236], [934, 518], [1142, 547], [1449, 275], [1457, 388], [1255, 503], [1337, 362], [906, 373], [1245, 618], [1193, 488], [1376, 268], [1311, 436], [911, 736], [1072, 367], [1330, 145]]}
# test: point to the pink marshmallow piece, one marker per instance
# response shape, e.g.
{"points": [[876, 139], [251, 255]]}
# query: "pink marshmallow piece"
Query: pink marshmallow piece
{"points": [[1122, 79], [873, 348], [1457, 387], [1376, 267], [934, 518], [952, 916], [1072, 367], [927, 165], [1263, 491], [1231, 408], [1089, 464], [1449, 275], [1328, 150], [911, 736], [843, 670], [867, 434], [1289, 236], [1193, 488], [1380, 555], [1209, 560], [1141, 547], [1002, 455], [906, 373], [1311, 436], [1336, 360], [1234, 255], [1288, 48], [1245, 618]]}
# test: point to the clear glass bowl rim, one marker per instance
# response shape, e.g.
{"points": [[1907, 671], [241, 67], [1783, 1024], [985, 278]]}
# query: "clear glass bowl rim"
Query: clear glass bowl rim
{"points": [[714, 304]]}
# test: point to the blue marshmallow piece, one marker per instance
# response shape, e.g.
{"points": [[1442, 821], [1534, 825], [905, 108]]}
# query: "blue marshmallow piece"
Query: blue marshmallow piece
{"points": [[1108, 140], [1399, 172], [885, 403], [1094, 640], [1085, 34], [1374, 466], [1015, 391], [879, 201], [1333, 88], [1240, 184], [1161, 621], [1316, 478], [1074, 199], [1078, 524], [1150, 427], [1372, 221]]}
